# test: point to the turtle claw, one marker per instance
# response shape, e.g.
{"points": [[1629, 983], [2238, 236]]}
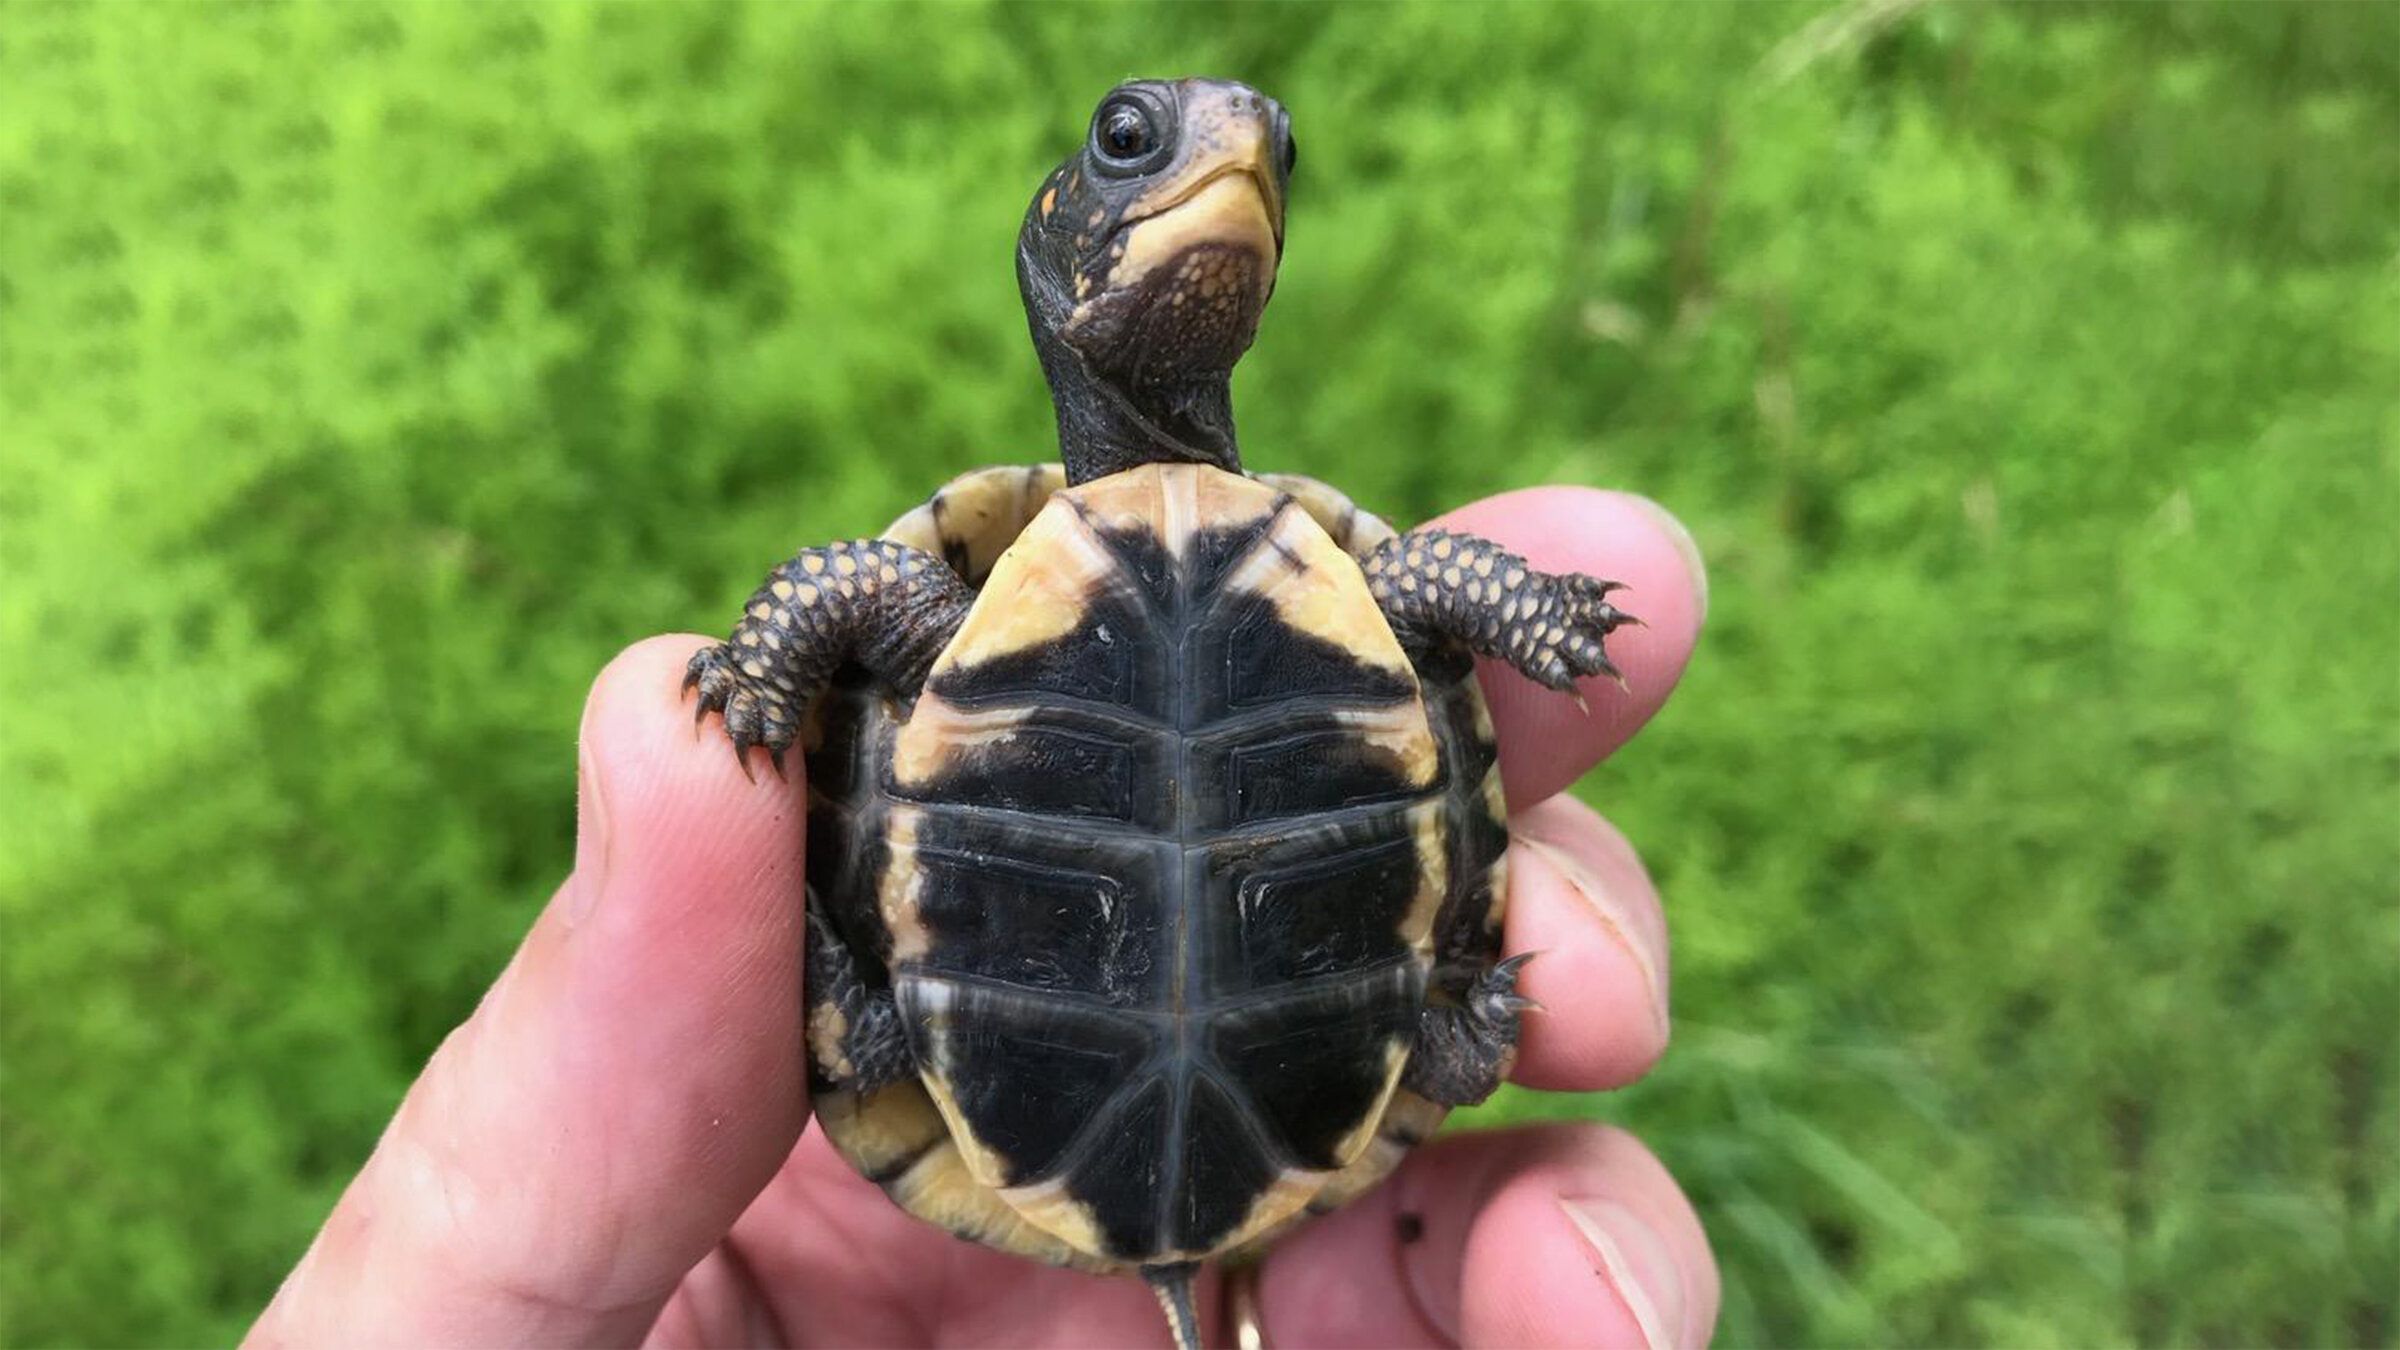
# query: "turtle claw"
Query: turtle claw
{"points": [[1464, 1048], [711, 672], [1501, 982], [1588, 619], [755, 713], [1495, 995], [820, 928]]}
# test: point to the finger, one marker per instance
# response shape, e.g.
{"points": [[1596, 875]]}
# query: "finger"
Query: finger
{"points": [[1579, 898], [1546, 742], [837, 1263], [627, 1085], [1553, 1235]]}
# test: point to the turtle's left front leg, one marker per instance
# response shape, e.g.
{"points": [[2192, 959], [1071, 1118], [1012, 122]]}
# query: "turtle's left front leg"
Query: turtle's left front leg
{"points": [[884, 605], [1434, 585]]}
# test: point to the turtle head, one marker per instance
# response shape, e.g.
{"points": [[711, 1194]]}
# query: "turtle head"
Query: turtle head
{"points": [[1145, 261]]}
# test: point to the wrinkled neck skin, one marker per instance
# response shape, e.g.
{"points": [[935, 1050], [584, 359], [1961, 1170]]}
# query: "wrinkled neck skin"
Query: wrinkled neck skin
{"points": [[1108, 425]]}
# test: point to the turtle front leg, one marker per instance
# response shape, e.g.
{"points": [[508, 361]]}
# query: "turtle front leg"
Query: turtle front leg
{"points": [[1434, 585], [887, 606], [1465, 1048]]}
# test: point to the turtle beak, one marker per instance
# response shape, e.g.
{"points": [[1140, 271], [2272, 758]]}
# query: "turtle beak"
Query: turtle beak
{"points": [[1256, 161], [1231, 208], [1239, 179]]}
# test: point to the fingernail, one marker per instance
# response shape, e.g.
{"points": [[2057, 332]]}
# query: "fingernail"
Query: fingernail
{"points": [[1684, 544], [1638, 1265], [1595, 892], [591, 838]]}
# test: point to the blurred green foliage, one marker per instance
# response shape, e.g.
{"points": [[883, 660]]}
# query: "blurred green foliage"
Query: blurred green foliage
{"points": [[369, 374]]}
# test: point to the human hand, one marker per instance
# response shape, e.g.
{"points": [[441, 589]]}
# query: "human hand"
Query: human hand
{"points": [[610, 1149]]}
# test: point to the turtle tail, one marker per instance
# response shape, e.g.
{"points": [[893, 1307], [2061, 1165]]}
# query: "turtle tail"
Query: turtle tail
{"points": [[1173, 1285]]}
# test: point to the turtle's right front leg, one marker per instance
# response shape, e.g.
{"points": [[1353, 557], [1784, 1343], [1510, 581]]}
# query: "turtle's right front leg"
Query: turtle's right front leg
{"points": [[887, 606]]}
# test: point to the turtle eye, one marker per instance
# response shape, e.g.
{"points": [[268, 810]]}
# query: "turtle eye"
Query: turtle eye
{"points": [[1128, 135], [1124, 133], [1286, 149]]}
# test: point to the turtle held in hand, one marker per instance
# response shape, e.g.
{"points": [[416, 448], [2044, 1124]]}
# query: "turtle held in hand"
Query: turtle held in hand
{"points": [[1155, 838]]}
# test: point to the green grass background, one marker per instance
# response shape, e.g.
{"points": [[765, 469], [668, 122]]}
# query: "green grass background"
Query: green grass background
{"points": [[2030, 821]]}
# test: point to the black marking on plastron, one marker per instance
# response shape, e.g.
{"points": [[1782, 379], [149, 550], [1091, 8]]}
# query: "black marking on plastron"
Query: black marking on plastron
{"points": [[1147, 564], [1265, 660], [1026, 911], [1028, 1073], [1118, 1178], [1110, 656], [1065, 762], [1322, 916], [1224, 1170], [1297, 771], [1214, 550], [1313, 1064], [1311, 899]]}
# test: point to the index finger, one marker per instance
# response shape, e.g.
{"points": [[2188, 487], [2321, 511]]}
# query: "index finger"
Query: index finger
{"points": [[1546, 742]]}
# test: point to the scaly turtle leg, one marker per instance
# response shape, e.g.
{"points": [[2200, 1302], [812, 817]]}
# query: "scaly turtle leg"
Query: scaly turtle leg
{"points": [[1435, 586], [1464, 1049], [889, 607], [855, 1039], [1441, 591]]}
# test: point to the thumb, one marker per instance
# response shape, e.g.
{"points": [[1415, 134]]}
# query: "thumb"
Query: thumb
{"points": [[627, 1086]]}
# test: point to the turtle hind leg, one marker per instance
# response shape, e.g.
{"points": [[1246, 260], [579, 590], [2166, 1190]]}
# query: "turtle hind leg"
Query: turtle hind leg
{"points": [[855, 1040], [1465, 1048]]}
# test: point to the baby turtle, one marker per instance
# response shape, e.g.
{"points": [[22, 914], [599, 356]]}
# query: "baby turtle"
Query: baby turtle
{"points": [[1155, 838]]}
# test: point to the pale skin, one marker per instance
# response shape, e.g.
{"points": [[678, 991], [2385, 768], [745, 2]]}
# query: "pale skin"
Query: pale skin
{"points": [[611, 1149]]}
